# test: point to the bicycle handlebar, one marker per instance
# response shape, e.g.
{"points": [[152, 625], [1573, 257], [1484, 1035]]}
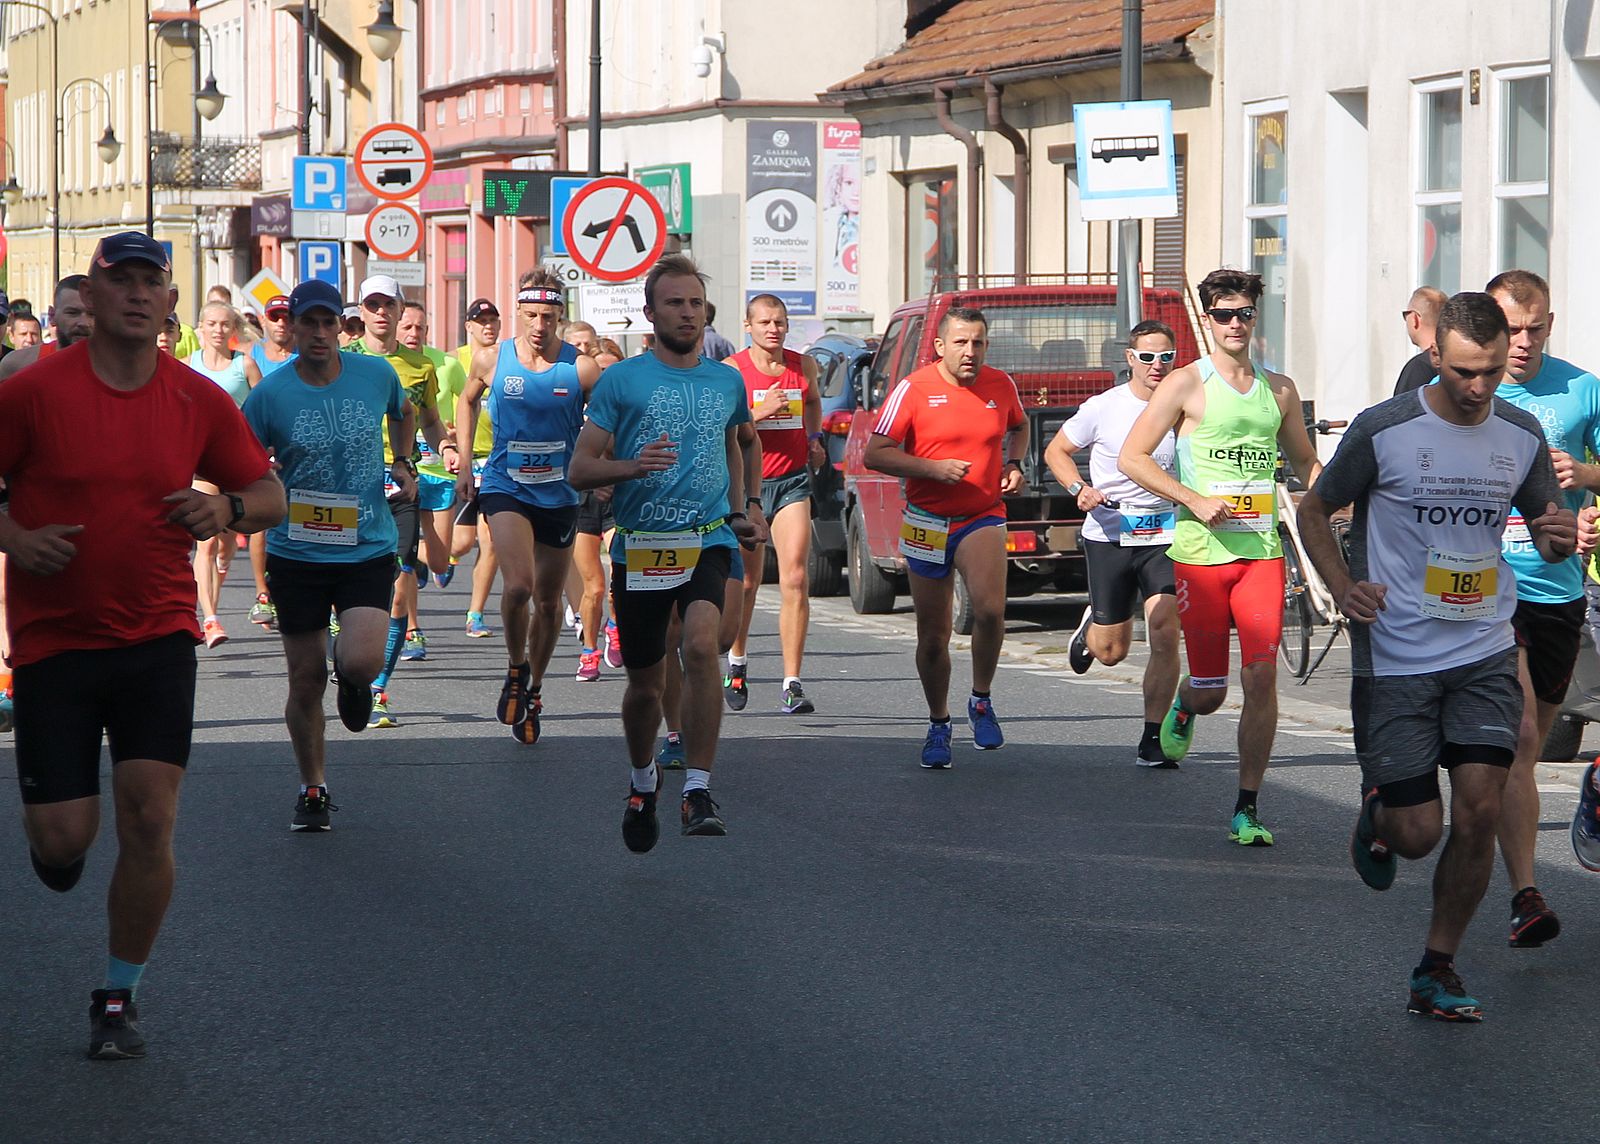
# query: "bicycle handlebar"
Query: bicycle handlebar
{"points": [[1325, 426]]}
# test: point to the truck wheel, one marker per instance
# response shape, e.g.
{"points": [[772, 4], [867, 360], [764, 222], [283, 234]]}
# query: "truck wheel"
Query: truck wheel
{"points": [[825, 571], [1565, 739], [961, 622], [871, 591]]}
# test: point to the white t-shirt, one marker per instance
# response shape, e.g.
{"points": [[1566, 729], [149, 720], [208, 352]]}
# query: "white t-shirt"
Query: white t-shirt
{"points": [[1101, 425]]}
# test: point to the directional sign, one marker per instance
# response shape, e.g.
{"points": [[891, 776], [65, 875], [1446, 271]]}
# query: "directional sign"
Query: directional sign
{"points": [[614, 229], [613, 309], [671, 187], [394, 231], [1126, 167], [318, 184], [320, 262], [393, 161], [264, 287], [568, 271], [562, 189], [408, 274]]}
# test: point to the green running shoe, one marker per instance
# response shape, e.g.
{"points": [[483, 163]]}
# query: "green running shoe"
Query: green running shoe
{"points": [[1369, 854], [1177, 730], [1247, 829], [1439, 993]]}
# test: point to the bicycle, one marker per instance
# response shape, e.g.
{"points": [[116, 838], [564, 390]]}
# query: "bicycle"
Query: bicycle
{"points": [[1307, 602]]}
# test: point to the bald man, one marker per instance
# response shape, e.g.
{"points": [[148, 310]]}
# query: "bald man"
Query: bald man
{"points": [[1421, 313]]}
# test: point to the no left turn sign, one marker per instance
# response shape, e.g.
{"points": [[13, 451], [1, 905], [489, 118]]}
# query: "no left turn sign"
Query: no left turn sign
{"points": [[614, 229]]}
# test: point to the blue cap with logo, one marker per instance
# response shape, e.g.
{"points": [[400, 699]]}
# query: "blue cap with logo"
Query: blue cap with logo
{"points": [[310, 295], [128, 245]]}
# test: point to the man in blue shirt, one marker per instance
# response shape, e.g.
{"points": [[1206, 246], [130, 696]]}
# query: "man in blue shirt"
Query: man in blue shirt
{"points": [[670, 421], [320, 415], [1550, 601]]}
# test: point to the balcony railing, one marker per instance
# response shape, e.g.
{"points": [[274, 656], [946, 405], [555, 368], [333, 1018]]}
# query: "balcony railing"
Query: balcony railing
{"points": [[217, 163]]}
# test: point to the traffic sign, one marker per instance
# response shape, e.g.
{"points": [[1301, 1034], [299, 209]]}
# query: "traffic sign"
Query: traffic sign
{"points": [[570, 273], [409, 274], [316, 224], [614, 229], [1126, 164], [671, 187], [613, 309], [318, 184], [394, 231], [321, 262], [264, 287], [393, 161], [562, 189]]}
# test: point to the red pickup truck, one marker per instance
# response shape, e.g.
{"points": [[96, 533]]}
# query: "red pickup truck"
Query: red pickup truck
{"points": [[1061, 344]]}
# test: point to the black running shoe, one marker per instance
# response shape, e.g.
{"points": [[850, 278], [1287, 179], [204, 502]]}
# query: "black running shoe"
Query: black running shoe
{"points": [[1150, 755], [58, 878], [1079, 657], [700, 815], [734, 689], [1532, 921], [113, 1028], [795, 701], [513, 706], [640, 827], [355, 704], [311, 810], [527, 731]]}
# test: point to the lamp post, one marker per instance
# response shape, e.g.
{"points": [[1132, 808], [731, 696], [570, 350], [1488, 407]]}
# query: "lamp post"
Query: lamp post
{"points": [[208, 101], [108, 147], [55, 76]]}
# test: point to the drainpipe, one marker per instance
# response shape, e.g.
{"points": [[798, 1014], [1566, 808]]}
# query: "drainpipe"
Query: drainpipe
{"points": [[1023, 170], [941, 108], [559, 81]]}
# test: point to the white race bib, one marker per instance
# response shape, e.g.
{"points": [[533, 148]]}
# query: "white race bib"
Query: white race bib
{"points": [[1148, 527], [790, 418], [1516, 531], [1460, 586], [659, 561], [323, 518], [536, 462], [924, 536], [1252, 503]]}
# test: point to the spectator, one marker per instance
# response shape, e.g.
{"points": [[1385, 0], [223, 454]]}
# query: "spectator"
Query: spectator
{"points": [[715, 346], [1420, 314]]}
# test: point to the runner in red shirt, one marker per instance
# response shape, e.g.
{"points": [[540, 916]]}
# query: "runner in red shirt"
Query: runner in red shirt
{"points": [[102, 597], [944, 430], [787, 408]]}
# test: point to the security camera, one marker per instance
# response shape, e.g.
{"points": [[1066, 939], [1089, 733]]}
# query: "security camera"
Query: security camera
{"points": [[701, 58]]}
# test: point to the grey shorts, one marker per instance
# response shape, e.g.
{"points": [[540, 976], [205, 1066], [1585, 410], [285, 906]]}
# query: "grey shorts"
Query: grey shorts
{"points": [[778, 493], [1407, 726]]}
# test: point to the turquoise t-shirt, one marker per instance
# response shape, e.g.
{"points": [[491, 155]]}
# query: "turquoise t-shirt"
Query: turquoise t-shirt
{"points": [[1566, 402], [328, 441], [640, 398]]}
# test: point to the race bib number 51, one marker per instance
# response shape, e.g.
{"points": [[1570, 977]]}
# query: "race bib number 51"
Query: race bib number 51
{"points": [[1456, 586], [323, 518]]}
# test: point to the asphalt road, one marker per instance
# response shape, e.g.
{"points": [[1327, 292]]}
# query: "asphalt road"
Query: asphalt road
{"points": [[1044, 943]]}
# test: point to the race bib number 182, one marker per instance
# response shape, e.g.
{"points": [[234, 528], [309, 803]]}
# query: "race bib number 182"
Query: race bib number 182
{"points": [[1459, 586]]}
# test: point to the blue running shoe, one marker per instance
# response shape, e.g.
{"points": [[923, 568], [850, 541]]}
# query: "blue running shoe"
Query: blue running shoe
{"points": [[7, 712], [1439, 993], [476, 628], [1371, 855], [670, 757], [936, 747], [986, 734], [421, 573], [1586, 822], [416, 646], [442, 579]]}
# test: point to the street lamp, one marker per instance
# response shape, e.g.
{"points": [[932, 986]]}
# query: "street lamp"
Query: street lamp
{"points": [[383, 34], [10, 190], [108, 147], [208, 102]]}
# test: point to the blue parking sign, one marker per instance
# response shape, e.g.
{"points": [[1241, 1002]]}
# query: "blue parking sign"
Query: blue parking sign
{"points": [[321, 262], [319, 184], [562, 188]]}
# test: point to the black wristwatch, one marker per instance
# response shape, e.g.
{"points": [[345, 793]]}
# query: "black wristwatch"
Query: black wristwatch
{"points": [[1074, 488], [737, 516], [238, 509], [748, 501]]}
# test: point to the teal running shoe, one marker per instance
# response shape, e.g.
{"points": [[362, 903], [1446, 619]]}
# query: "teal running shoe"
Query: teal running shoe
{"points": [[476, 628], [1177, 729], [670, 757], [1586, 823], [1368, 853], [8, 718], [1438, 993], [1247, 829]]}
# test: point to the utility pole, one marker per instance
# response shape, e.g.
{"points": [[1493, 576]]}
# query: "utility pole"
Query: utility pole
{"points": [[1130, 237], [308, 16], [594, 88]]}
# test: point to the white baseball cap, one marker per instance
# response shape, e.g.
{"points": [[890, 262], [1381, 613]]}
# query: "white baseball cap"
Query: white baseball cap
{"points": [[383, 284]]}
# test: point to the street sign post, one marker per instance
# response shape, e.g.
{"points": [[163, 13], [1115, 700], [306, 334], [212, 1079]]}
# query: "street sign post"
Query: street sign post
{"points": [[321, 262], [264, 287], [393, 161], [614, 229], [613, 310], [318, 184], [1126, 167], [394, 231], [562, 189]]}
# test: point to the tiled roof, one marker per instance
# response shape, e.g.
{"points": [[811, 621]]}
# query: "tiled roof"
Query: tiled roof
{"points": [[978, 37]]}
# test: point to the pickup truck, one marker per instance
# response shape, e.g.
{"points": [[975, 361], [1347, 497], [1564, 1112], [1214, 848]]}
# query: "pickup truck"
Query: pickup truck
{"points": [[1061, 345]]}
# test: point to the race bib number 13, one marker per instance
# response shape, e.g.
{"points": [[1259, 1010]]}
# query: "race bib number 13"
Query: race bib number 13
{"points": [[1460, 587], [924, 536]]}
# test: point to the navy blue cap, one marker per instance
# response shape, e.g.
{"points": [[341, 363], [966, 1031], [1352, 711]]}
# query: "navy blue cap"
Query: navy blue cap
{"points": [[115, 248], [309, 295]]}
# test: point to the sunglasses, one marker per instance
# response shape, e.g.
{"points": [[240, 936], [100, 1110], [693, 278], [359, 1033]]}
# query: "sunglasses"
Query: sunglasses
{"points": [[1223, 315], [1150, 357]]}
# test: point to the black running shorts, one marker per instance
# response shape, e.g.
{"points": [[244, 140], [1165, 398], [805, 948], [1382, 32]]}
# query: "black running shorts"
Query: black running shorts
{"points": [[594, 515], [642, 617], [304, 591], [139, 698], [1550, 634], [1119, 575], [552, 527]]}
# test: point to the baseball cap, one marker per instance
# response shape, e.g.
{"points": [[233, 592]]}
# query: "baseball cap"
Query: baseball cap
{"points": [[277, 302], [310, 295], [383, 284], [130, 244], [481, 308], [352, 311]]}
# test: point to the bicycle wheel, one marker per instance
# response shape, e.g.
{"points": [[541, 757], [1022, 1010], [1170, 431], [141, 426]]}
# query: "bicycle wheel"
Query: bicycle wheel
{"points": [[1294, 646]]}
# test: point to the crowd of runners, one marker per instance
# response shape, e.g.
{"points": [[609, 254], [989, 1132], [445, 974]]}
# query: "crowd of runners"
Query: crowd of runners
{"points": [[631, 499]]}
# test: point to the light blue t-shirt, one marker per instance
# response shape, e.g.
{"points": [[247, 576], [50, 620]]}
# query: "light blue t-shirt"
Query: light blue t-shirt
{"points": [[640, 398], [536, 416], [1566, 402], [258, 354], [328, 441]]}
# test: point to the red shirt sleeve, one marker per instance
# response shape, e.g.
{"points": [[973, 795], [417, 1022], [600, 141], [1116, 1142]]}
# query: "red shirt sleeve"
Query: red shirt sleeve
{"points": [[894, 422], [15, 426], [231, 457], [1014, 415]]}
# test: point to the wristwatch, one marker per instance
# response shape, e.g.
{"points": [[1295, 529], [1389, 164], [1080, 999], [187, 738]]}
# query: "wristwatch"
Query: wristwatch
{"points": [[1074, 488], [238, 510], [748, 501]]}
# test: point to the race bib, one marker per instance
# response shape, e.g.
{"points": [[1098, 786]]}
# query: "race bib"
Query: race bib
{"points": [[323, 518], [479, 464], [924, 536], [1516, 531], [1251, 502], [658, 561], [1147, 527], [536, 462], [790, 418], [1457, 586]]}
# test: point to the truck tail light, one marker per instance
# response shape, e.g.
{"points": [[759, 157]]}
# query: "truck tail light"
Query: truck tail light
{"points": [[837, 423], [1022, 541]]}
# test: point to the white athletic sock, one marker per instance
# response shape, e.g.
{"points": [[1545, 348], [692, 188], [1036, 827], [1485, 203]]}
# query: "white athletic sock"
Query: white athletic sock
{"points": [[737, 660], [210, 619], [644, 779], [790, 679], [696, 780]]}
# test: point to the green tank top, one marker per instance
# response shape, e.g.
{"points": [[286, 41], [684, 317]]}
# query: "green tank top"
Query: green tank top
{"points": [[1232, 454]]}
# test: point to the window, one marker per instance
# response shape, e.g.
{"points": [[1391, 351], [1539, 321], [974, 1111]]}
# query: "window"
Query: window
{"points": [[931, 228], [1438, 195], [1522, 182], [1267, 228], [878, 377]]}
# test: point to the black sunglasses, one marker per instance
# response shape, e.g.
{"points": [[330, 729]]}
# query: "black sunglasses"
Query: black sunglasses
{"points": [[1223, 315], [1149, 357]]}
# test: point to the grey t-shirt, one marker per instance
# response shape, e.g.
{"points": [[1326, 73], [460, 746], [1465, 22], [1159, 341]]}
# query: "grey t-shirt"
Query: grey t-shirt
{"points": [[1431, 500]]}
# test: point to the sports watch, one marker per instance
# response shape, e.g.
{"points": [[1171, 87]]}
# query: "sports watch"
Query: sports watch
{"points": [[238, 509], [1074, 488]]}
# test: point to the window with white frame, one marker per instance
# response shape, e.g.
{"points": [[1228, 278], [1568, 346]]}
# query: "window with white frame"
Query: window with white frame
{"points": [[1438, 184], [1266, 226], [1522, 175]]}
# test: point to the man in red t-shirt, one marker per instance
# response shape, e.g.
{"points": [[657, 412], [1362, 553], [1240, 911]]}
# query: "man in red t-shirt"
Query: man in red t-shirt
{"points": [[955, 432], [100, 444], [787, 409]]}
